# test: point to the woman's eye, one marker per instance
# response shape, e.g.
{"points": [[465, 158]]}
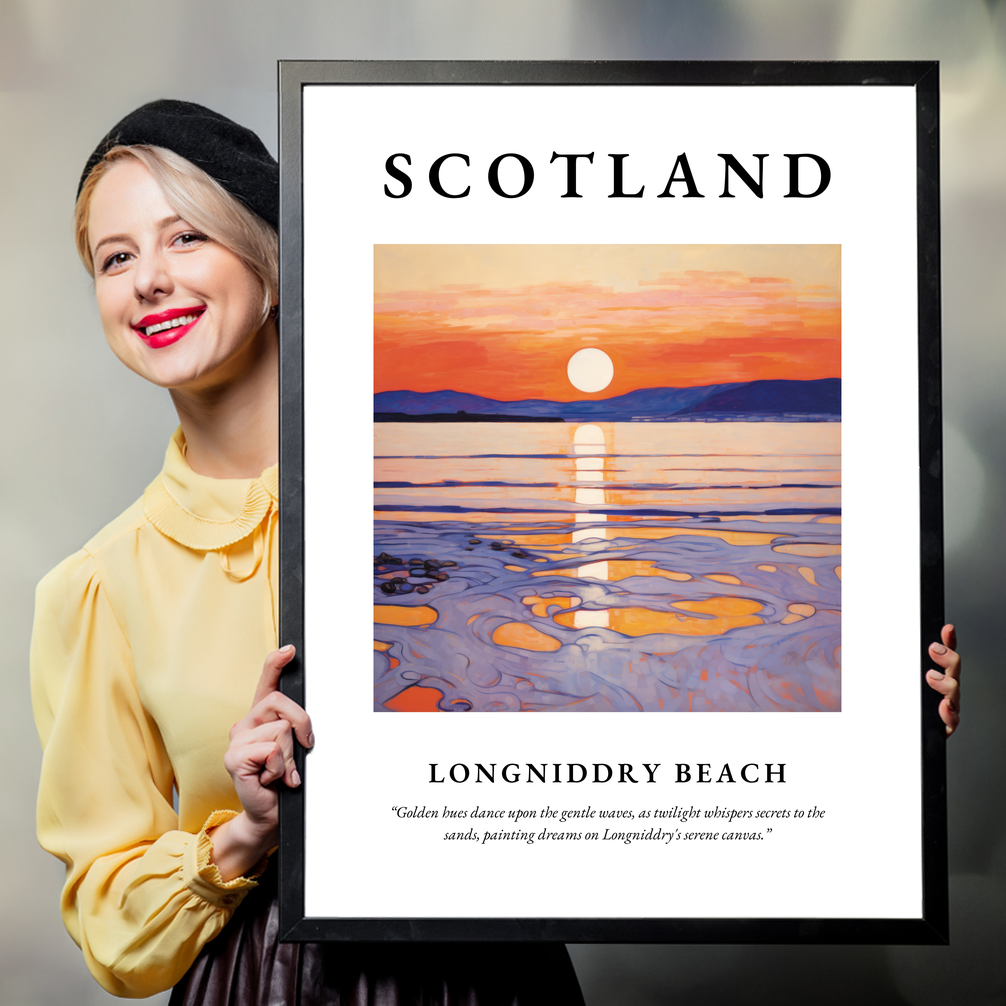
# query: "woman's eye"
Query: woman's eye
{"points": [[114, 261], [190, 238]]}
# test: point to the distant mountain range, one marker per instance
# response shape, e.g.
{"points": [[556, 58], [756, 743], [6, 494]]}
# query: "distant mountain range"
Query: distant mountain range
{"points": [[804, 401]]}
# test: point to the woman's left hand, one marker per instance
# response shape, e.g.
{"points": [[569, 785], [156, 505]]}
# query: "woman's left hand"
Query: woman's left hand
{"points": [[948, 681], [260, 754]]}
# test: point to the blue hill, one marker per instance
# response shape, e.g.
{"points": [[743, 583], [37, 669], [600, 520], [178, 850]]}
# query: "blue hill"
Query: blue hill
{"points": [[820, 399], [771, 398]]}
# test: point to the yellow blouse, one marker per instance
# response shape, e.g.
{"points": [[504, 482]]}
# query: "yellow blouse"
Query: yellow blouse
{"points": [[147, 647]]}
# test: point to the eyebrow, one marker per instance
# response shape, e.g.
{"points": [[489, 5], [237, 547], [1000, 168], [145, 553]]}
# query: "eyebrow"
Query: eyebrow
{"points": [[160, 225]]}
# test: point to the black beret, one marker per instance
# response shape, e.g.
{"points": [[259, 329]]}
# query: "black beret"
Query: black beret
{"points": [[230, 154]]}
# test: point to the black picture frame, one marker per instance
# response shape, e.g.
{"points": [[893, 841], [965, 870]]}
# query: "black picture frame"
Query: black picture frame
{"points": [[932, 925]]}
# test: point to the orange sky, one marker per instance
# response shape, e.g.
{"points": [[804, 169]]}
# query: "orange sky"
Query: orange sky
{"points": [[502, 321]]}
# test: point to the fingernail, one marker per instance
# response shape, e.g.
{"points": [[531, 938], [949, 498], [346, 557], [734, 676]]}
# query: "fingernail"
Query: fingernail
{"points": [[310, 740], [938, 648], [286, 649], [295, 777], [936, 675]]}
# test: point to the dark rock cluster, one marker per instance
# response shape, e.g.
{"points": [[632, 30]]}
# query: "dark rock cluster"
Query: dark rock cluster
{"points": [[429, 569], [498, 546], [425, 569]]}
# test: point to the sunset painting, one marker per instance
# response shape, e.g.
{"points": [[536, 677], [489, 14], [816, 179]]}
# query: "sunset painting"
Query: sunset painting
{"points": [[607, 478]]}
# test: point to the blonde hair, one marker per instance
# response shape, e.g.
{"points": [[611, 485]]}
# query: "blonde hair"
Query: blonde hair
{"points": [[199, 200]]}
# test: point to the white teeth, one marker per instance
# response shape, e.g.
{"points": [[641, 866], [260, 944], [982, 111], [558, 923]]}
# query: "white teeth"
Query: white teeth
{"points": [[173, 323]]}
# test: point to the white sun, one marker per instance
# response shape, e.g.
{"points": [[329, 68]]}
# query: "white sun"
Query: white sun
{"points": [[590, 370]]}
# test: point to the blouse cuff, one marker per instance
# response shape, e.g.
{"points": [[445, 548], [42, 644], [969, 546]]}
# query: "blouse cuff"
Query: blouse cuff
{"points": [[202, 876]]}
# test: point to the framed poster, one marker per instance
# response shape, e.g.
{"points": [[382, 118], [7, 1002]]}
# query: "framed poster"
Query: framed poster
{"points": [[630, 372]]}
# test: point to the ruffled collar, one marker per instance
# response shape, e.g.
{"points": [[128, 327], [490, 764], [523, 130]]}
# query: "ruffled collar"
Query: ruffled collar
{"points": [[203, 513]]}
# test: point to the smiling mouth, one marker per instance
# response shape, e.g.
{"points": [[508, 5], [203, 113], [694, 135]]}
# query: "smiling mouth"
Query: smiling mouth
{"points": [[164, 326]]}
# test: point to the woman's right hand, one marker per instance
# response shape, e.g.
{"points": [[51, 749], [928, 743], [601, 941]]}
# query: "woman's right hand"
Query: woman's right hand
{"points": [[259, 754]]}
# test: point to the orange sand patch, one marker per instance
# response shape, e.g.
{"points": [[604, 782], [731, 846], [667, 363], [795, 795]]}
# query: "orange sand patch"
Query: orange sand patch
{"points": [[830, 520], [826, 698], [768, 568], [619, 569], [394, 614], [798, 612], [415, 699], [807, 573], [780, 518], [727, 606], [730, 537], [733, 612], [630, 518], [838, 572], [813, 549], [542, 604], [524, 637], [472, 516], [515, 569], [541, 540], [723, 578], [378, 645]]}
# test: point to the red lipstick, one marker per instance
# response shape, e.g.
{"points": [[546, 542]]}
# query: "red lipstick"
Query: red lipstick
{"points": [[165, 324]]}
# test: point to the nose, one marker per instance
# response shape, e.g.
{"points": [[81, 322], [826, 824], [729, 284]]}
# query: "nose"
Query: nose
{"points": [[152, 276]]}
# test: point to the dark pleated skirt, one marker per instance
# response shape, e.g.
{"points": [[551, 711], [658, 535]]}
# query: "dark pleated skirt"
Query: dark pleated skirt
{"points": [[246, 965]]}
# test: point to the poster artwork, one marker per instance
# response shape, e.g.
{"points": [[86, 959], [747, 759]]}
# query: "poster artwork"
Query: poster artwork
{"points": [[607, 478]]}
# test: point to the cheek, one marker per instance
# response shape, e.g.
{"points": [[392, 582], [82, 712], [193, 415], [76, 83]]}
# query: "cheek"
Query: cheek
{"points": [[246, 300], [113, 313], [224, 279]]}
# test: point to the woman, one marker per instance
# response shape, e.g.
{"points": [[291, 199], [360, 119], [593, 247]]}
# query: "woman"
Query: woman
{"points": [[149, 642]]}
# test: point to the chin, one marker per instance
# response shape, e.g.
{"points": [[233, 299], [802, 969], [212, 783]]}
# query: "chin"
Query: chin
{"points": [[170, 374], [195, 365]]}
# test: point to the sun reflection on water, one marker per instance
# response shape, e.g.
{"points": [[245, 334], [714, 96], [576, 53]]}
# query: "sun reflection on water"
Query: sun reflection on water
{"points": [[591, 451]]}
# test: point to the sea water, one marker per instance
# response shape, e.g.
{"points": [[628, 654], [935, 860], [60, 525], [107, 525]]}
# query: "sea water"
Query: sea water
{"points": [[609, 566]]}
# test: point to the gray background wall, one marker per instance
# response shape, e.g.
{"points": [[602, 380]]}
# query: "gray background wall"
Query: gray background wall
{"points": [[82, 436]]}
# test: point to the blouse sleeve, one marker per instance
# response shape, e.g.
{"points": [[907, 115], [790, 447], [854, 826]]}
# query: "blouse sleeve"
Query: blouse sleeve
{"points": [[141, 898]]}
